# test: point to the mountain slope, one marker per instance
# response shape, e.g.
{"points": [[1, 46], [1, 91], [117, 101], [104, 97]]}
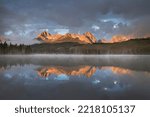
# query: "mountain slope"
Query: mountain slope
{"points": [[86, 38], [134, 46]]}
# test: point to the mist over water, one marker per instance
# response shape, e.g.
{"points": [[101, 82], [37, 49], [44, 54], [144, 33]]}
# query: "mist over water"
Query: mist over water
{"points": [[74, 77]]}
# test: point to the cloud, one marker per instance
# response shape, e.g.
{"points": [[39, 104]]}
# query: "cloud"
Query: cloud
{"points": [[75, 12], [95, 27], [61, 31], [8, 19], [112, 16], [4, 14]]}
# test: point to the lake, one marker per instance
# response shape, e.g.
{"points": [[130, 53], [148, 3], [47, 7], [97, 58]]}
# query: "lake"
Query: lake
{"points": [[80, 77]]}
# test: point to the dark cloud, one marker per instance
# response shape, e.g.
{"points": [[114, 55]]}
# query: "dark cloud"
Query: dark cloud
{"points": [[76, 15], [4, 15], [141, 27], [9, 18], [75, 12]]}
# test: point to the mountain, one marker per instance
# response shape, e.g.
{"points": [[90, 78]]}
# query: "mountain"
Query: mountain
{"points": [[117, 38], [86, 38], [2, 39]]}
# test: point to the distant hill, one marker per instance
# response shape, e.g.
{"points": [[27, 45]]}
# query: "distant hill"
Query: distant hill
{"points": [[3, 39], [134, 46]]}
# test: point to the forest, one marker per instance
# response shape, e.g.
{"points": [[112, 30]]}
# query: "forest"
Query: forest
{"points": [[14, 48], [134, 46]]}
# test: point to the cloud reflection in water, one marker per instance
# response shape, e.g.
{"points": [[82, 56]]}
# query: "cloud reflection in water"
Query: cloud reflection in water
{"points": [[107, 81]]}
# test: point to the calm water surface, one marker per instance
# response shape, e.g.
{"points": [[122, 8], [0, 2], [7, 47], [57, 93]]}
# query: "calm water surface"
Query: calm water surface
{"points": [[74, 77]]}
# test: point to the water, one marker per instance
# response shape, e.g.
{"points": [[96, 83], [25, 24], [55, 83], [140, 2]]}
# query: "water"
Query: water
{"points": [[74, 77]]}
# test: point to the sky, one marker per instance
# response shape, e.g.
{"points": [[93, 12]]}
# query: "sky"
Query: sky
{"points": [[22, 20]]}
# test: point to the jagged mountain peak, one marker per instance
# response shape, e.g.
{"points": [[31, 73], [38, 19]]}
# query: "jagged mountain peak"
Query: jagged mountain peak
{"points": [[90, 36], [86, 38], [45, 33]]}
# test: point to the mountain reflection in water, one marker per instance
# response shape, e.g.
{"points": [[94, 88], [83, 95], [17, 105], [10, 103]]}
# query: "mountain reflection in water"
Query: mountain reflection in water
{"points": [[74, 77], [88, 71]]}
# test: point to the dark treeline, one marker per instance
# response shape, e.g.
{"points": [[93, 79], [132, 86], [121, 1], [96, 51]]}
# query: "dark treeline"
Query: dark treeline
{"points": [[135, 46], [14, 49]]}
